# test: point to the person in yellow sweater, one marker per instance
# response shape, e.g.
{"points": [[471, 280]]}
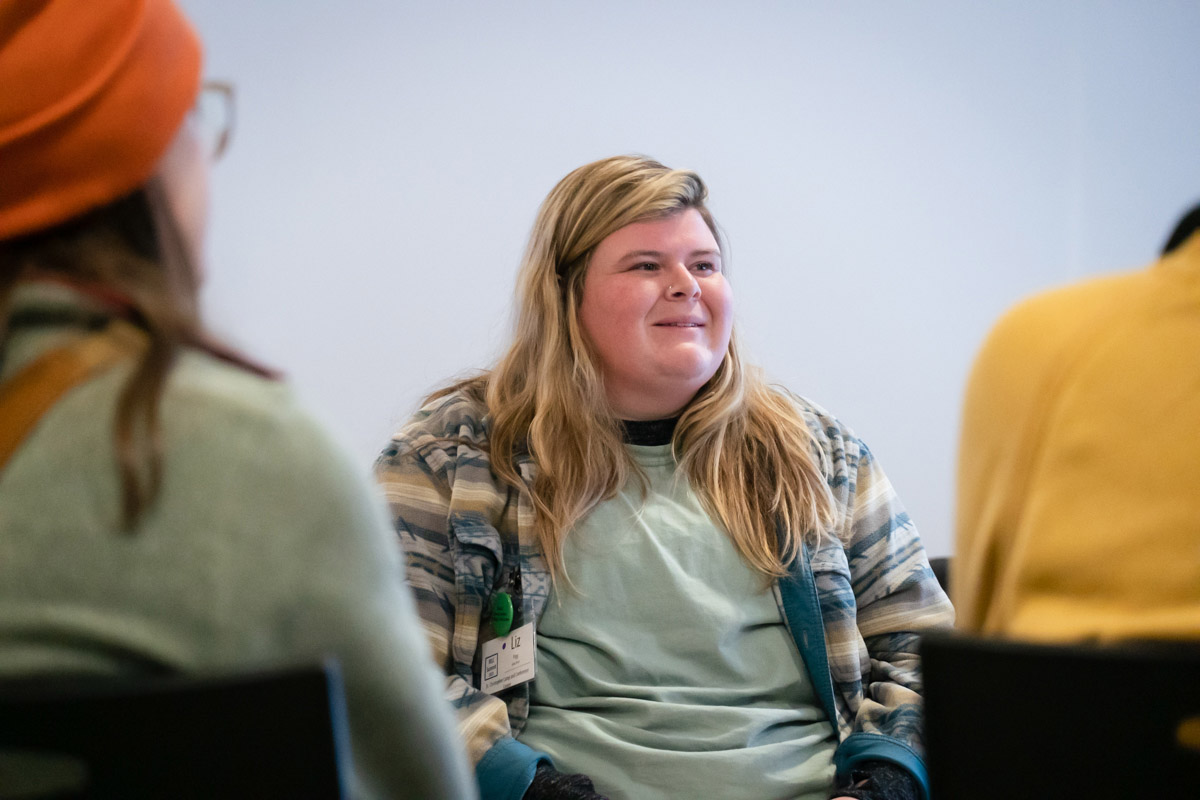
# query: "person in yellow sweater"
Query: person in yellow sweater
{"points": [[1079, 465]]}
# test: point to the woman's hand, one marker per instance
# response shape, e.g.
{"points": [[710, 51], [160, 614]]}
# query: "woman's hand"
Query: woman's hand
{"points": [[550, 784], [878, 780]]}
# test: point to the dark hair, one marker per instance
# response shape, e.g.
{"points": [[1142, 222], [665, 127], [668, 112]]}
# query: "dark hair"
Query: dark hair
{"points": [[132, 248], [1184, 229]]}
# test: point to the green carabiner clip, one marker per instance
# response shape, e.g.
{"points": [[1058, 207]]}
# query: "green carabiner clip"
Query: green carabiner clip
{"points": [[502, 613]]}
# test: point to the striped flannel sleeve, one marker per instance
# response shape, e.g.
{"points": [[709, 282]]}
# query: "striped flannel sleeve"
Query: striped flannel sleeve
{"points": [[878, 595], [417, 476], [897, 597]]}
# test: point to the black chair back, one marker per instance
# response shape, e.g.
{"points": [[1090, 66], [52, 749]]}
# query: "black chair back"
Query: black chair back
{"points": [[1015, 720], [941, 571], [271, 734]]}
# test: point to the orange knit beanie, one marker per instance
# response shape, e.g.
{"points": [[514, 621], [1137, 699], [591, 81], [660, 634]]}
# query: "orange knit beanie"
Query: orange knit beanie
{"points": [[91, 94]]}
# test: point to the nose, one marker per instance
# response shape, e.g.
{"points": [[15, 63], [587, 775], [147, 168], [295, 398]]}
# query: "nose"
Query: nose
{"points": [[682, 284]]}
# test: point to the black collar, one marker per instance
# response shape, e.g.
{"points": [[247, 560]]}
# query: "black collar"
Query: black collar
{"points": [[649, 432]]}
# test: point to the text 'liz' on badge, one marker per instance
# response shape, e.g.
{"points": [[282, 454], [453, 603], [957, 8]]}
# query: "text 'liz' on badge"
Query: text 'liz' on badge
{"points": [[509, 660]]}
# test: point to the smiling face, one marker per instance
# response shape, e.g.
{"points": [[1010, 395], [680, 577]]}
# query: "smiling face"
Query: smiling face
{"points": [[657, 311]]}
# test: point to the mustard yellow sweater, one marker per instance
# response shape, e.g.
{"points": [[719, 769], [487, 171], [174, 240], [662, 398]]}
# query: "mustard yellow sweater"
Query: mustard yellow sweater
{"points": [[1079, 464]]}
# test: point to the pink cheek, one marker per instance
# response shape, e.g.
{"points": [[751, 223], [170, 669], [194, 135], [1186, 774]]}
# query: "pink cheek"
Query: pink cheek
{"points": [[624, 308]]}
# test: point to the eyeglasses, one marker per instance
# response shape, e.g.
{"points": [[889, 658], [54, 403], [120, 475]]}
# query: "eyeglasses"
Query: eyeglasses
{"points": [[213, 116]]}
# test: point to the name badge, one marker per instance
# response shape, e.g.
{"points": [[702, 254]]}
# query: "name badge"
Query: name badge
{"points": [[509, 660]]}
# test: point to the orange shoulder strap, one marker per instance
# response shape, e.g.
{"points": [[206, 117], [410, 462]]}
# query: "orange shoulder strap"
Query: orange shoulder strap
{"points": [[31, 392]]}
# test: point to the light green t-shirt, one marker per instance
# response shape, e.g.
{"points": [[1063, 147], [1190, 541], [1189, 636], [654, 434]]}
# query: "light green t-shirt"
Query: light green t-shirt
{"points": [[670, 672]]}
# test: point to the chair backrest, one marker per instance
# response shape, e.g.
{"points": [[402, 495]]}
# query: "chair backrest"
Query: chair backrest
{"points": [[271, 734], [1015, 720], [941, 571]]}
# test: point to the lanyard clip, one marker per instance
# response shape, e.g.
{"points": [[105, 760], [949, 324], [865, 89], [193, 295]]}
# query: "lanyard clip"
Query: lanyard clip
{"points": [[503, 607]]}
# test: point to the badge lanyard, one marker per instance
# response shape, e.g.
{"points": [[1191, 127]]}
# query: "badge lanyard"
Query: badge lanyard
{"points": [[509, 659]]}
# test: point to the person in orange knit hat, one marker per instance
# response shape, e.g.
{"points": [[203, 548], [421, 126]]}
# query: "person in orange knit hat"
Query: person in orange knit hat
{"points": [[165, 505], [79, 131]]}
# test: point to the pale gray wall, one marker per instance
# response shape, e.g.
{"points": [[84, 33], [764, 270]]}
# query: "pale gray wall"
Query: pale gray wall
{"points": [[890, 177]]}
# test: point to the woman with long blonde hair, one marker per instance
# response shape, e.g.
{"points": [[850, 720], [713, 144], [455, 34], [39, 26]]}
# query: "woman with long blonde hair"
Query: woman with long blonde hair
{"points": [[645, 572]]}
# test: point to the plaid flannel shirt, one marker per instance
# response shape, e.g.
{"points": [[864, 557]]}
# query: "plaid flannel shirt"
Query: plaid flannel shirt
{"points": [[855, 605]]}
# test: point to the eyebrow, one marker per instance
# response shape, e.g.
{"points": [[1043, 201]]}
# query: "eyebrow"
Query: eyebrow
{"points": [[658, 254]]}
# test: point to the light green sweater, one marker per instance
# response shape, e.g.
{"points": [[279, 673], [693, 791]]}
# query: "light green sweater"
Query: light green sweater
{"points": [[265, 547], [668, 671]]}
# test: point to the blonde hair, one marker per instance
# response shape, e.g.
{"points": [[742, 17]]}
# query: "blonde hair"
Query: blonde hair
{"points": [[743, 446]]}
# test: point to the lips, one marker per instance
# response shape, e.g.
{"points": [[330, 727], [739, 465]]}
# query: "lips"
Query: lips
{"points": [[679, 324]]}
